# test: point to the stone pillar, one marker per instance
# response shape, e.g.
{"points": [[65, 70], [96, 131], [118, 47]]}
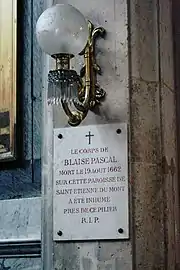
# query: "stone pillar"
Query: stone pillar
{"points": [[139, 80], [112, 56], [176, 38], [153, 135]]}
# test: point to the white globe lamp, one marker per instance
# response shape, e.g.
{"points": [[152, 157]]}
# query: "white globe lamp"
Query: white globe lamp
{"points": [[62, 29]]}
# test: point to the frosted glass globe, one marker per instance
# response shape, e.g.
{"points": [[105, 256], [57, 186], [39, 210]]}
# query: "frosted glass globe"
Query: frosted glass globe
{"points": [[62, 29]]}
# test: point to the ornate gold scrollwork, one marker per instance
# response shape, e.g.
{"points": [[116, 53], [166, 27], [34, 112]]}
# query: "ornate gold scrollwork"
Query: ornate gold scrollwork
{"points": [[89, 93]]}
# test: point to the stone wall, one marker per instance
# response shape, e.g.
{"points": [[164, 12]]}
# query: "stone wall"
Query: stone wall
{"points": [[153, 136], [112, 56], [137, 62]]}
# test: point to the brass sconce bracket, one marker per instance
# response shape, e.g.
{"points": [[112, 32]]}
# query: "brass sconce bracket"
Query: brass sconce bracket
{"points": [[89, 93]]}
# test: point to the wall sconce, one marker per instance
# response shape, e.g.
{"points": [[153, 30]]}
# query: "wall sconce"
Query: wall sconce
{"points": [[63, 32]]}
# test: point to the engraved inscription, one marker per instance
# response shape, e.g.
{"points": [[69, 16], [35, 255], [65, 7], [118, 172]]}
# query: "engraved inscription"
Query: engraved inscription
{"points": [[90, 185]]}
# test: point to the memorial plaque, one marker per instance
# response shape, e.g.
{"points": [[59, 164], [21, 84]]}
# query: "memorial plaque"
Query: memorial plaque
{"points": [[90, 183]]}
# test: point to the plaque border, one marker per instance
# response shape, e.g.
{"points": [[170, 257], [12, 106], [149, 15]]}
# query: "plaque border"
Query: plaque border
{"points": [[121, 238]]}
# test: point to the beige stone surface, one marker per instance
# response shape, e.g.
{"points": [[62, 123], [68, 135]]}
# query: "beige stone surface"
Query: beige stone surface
{"points": [[169, 196], [143, 39], [168, 110], [166, 43], [171, 184], [153, 136], [148, 213], [145, 136]]}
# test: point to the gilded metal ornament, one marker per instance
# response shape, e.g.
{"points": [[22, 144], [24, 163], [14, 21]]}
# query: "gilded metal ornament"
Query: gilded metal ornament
{"points": [[73, 90]]}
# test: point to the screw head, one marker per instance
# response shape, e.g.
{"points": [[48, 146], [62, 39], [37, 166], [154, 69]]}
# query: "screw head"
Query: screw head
{"points": [[118, 131], [59, 233], [60, 136], [120, 230]]}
